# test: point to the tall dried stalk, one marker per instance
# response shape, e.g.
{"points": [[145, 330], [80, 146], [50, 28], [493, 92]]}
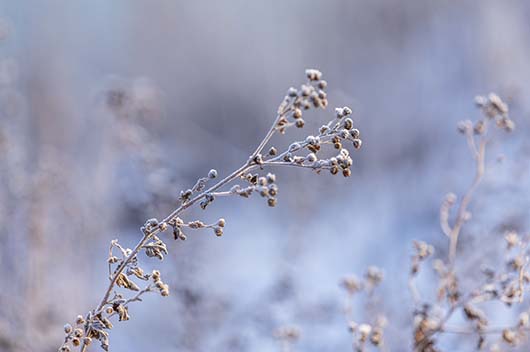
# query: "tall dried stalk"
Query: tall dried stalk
{"points": [[96, 323]]}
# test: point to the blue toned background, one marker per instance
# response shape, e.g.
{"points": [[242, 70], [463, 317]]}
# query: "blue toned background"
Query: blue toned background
{"points": [[109, 108]]}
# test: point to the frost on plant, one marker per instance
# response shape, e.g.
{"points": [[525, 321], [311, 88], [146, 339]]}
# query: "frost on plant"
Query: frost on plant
{"points": [[128, 282]]}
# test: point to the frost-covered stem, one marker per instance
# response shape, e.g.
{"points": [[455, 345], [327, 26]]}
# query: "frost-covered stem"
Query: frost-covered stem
{"points": [[250, 164], [462, 210]]}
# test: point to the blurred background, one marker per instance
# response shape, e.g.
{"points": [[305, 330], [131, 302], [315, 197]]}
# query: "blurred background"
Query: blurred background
{"points": [[109, 108]]}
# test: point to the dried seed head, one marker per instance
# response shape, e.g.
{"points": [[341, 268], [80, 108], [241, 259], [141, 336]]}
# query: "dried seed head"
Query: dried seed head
{"points": [[311, 157], [351, 284], [273, 190], [334, 170], [498, 104], [347, 111], [155, 275], [524, 319], [376, 338], [87, 341], [512, 239], [271, 178], [464, 126], [80, 320], [357, 143], [364, 331], [348, 123], [300, 123], [212, 174], [313, 75], [78, 332], [346, 172], [273, 151], [271, 202], [297, 113], [509, 336], [355, 133], [67, 328]]}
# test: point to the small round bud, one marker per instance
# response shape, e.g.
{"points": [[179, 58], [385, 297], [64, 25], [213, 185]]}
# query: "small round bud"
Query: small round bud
{"points": [[271, 178], [218, 231], [67, 328], [311, 157], [355, 133], [271, 202], [212, 174], [334, 170], [273, 190], [292, 92], [273, 151], [110, 310], [80, 320], [297, 113], [357, 143], [346, 172], [76, 342], [348, 123], [322, 84], [87, 341], [300, 123], [221, 222], [337, 145]]}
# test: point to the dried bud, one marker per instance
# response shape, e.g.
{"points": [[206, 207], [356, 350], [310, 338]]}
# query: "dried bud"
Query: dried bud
{"points": [[67, 328], [297, 113], [78, 332], [300, 123], [212, 174]]}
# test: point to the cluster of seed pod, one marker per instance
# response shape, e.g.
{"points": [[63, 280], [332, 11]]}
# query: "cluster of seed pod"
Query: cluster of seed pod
{"points": [[74, 335], [364, 332], [264, 185], [178, 226], [336, 132], [493, 108], [310, 94], [199, 186], [124, 270]]}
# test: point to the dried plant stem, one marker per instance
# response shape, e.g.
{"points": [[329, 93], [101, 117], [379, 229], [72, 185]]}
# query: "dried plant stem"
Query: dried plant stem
{"points": [[338, 131], [462, 214], [234, 175], [249, 165]]}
